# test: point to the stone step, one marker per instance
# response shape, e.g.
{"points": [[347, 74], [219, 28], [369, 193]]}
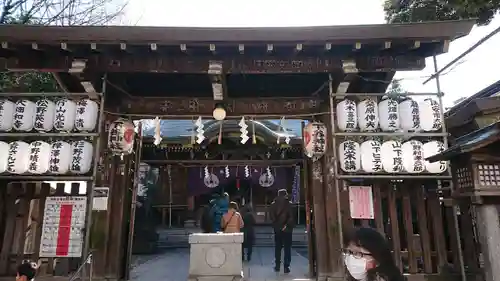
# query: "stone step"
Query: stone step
{"points": [[264, 237]]}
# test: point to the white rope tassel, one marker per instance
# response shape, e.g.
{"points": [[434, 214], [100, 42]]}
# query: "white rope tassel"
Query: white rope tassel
{"points": [[244, 132], [200, 137], [207, 174], [283, 126], [157, 136], [247, 172]]}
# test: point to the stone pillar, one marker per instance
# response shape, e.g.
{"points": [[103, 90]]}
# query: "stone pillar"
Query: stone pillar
{"points": [[488, 227], [215, 257]]}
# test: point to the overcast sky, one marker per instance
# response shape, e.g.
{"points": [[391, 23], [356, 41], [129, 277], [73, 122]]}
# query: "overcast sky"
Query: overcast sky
{"points": [[471, 75]]}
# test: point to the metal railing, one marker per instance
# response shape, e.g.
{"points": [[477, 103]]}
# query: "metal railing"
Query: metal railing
{"points": [[81, 269]]}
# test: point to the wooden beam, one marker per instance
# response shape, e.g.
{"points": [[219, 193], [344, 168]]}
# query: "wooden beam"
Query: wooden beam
{"points": [[154, 62], [446, 46], [218, 79], [204, 106], [219, 162]]}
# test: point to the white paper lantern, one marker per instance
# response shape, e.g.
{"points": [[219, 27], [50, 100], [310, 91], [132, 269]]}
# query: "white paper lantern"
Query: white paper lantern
{"points": [[44, 116], [388, 112], [24, 115], [39, 157], [81, 161], [413, 157], [392, 157], [19, 156], [65, 113], [409, 115], [347, 119], [349, 155], [371, 159], [86, 115], [60, 158], [430, 115], [121, 137], [368, 115], [4, 147], [6, 115], [315, 140], [430, 149]]}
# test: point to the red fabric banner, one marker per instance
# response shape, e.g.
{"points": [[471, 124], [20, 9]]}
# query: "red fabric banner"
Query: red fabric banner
{"points": [[64, 232]]}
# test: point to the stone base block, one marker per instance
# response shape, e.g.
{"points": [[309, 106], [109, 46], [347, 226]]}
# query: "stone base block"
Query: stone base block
{"points": [[215, 256], [217, 278]]}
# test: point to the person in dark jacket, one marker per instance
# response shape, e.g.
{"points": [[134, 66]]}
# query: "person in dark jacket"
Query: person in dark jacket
{"points": [[220, 205], [248, 232], [283, 223], [207, 220]]}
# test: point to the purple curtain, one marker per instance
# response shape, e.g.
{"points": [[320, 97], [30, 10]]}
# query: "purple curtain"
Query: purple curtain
{"points": [[197, 184]]}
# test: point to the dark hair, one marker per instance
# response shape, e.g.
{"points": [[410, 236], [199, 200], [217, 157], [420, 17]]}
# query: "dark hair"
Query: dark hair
{"points": [[282, 193], [233, 205], [377, 245], [26, 269]]}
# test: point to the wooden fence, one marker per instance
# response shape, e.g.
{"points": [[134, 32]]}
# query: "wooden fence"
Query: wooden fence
{"points": [[418, 220], [415, 216], [21, 216]]}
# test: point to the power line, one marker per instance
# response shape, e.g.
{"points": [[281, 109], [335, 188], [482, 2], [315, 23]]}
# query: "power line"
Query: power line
{"points": [[478, 43]]}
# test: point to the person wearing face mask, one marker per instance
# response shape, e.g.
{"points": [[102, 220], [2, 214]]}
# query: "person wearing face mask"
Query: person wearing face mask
{"points": [[367, 257]]}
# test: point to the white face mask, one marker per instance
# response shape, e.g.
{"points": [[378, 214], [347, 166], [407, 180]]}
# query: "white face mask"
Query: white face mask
{"points": [[355, 266]]}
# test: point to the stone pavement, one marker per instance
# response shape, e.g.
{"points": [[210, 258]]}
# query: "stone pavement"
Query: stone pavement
{"points": [[173, 265]]}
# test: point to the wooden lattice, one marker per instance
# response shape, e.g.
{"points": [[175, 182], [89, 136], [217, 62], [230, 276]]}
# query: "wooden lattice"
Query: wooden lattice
{"points": [[488, 175], [464, 178]]}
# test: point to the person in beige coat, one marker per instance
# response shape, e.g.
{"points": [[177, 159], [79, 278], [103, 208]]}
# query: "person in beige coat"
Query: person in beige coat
{"points": [[232, 221]]}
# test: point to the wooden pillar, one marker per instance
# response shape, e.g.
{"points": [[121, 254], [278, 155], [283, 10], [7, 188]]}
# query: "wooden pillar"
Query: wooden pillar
{"points": [[331, 189], [10, 224], [488, 227], [118, 196], [165, 197], [105, 177], [320, 225], [486, 200]]}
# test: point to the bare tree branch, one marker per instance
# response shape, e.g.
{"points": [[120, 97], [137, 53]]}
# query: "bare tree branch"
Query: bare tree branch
{"points": [[52, 12], [60, 12]]}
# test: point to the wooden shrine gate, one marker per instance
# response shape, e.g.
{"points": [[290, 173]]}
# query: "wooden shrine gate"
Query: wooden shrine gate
{"points": [[300, 73]]}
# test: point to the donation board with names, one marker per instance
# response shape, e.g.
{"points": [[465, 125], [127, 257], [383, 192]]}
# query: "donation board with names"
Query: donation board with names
{"points": [[63, 226], [361, 202]]}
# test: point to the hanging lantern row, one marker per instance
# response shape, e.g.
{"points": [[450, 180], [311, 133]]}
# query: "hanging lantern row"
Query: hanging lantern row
{"points": [[45, 115], [391, 157], [121, 137], [247, 171], [211, 179], [40, 157], [315, 140], [389, 115]]}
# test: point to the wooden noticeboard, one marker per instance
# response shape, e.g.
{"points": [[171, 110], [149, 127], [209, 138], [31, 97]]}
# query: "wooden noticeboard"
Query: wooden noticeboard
{"points": [[63, 226]]}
